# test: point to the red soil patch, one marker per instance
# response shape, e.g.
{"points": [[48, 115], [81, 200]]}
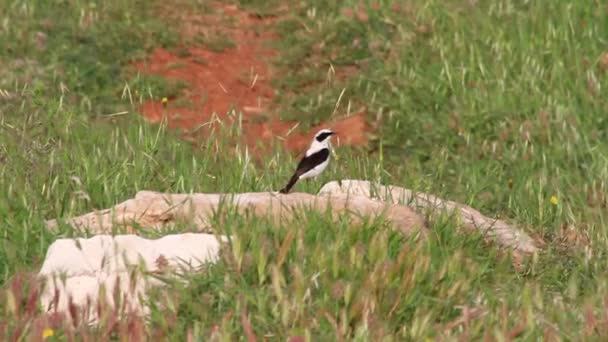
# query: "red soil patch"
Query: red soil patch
{"points": [[236, 78]]}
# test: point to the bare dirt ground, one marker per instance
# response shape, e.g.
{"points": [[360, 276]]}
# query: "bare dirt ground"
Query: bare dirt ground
{"points": [[237, 76]]}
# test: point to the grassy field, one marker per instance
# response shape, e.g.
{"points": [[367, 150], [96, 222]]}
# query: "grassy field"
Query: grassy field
{"points": [[498, 104]]}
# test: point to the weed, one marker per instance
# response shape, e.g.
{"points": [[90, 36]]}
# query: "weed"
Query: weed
{"points": [[496, 104]]}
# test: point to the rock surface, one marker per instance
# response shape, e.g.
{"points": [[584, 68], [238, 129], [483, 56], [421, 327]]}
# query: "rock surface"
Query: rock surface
{"points": [[501, 232], [158, 210], [85, 272], [76, 270]]}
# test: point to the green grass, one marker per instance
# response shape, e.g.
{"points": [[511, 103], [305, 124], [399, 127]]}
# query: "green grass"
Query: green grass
{"points": [[469, 98]]}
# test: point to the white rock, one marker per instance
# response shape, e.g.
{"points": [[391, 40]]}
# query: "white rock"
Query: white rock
{"points": [[79, 268], [505, 234], [156, 210]]}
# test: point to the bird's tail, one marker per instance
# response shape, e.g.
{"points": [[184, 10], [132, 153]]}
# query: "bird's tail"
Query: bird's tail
{"points": [[289, 185]]}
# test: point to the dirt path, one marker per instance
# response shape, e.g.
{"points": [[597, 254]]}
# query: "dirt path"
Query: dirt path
{"points": [[236, 75]]}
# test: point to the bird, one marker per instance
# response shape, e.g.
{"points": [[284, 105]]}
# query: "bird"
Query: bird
{"points": [[314, 161]]}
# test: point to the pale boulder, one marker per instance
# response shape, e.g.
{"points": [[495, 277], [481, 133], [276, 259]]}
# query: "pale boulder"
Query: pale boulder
{"points": [[504, 234], [83, 269], [79, 268], [159, 210]]}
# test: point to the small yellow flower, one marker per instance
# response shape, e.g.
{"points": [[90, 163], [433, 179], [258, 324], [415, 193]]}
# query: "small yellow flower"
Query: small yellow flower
{"points": [[48, 332], [553, 200], [164, 101]]}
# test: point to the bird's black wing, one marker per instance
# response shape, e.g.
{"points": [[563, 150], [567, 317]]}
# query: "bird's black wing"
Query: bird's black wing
{"points": [[309, 162], [306, 164]]}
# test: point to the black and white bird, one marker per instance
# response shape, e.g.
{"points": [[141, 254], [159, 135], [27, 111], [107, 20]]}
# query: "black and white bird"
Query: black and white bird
{"points": [[314, 161]]}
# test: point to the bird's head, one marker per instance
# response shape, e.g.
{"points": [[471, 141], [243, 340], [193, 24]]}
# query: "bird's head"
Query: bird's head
{"points": [[324, 135], [320, 141]]}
